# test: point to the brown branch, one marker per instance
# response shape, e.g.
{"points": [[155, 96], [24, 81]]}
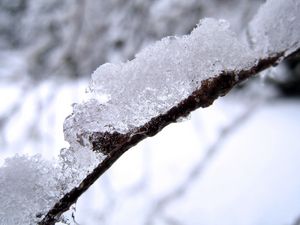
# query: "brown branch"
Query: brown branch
{"points": [[115, 144]]}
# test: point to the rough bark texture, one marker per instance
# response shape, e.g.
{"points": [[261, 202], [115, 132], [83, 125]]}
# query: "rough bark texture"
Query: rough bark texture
{"points": [[115, 144]]}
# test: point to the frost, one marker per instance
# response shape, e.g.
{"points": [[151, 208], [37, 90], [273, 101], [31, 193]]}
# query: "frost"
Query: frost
{"points": [[276, 27], [158, 78]]}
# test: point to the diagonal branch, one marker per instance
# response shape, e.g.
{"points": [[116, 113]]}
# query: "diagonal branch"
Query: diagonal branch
{"points": [[210, 47], [115, 144]]}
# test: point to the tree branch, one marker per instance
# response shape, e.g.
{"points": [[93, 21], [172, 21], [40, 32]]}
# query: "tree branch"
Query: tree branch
{"points": [[115, 144]]}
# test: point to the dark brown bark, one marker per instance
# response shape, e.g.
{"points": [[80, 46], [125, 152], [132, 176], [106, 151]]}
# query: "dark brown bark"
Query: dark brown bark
{"points": [[115, 144]]}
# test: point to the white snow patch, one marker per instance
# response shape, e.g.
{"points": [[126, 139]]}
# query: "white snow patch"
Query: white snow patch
{"points": [[276, 27]]}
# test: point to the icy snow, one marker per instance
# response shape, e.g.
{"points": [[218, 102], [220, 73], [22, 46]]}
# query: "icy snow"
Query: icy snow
{"points": [[127, 95]]}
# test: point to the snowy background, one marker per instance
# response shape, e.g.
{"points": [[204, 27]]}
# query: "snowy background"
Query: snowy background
{"points": [[234, 163]]}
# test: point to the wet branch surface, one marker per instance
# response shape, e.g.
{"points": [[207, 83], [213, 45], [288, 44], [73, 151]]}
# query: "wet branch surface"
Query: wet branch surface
{"points": [[115, 144]]}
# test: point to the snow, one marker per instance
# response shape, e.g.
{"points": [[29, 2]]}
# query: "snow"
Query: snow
{"points": [[29, 186], [124, 96], [276, 27], [127, 95]]}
